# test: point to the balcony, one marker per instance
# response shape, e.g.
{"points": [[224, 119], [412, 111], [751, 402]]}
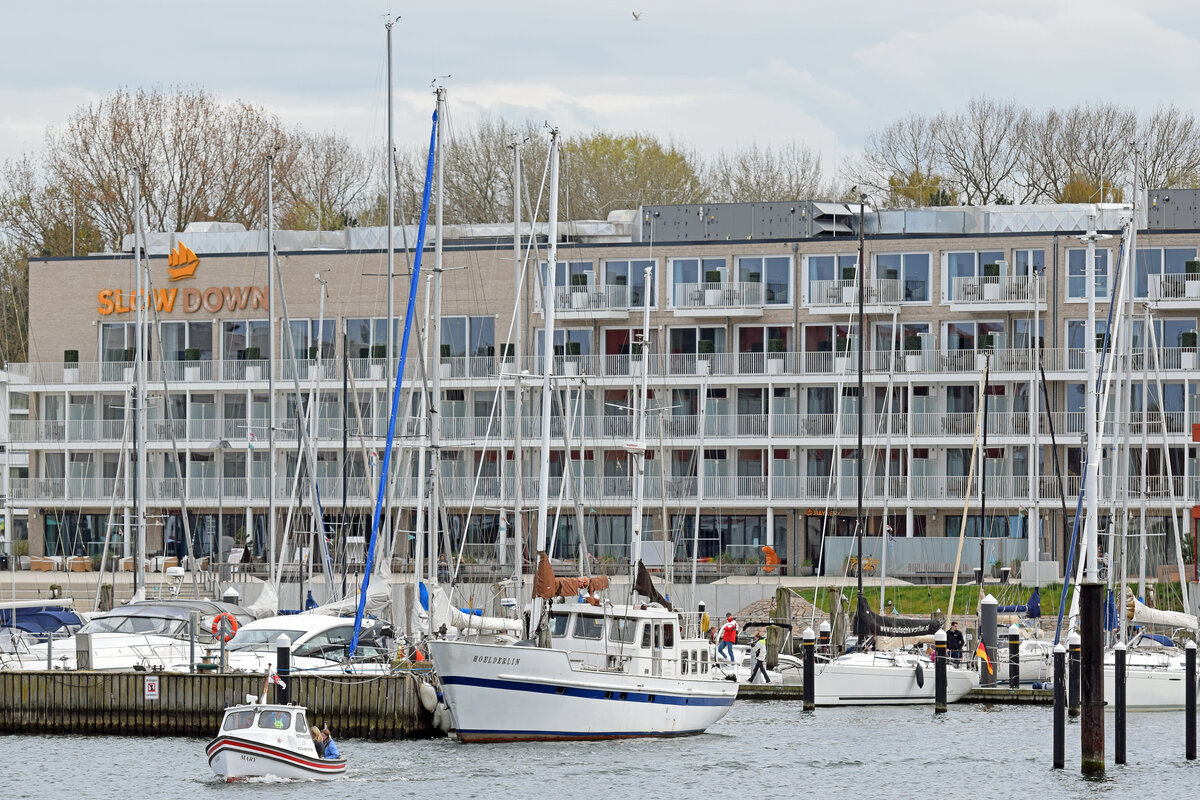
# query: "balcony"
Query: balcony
{"points": [[590, 302], [996, 293], [842, 296], [732, 299], [1174, 290]]}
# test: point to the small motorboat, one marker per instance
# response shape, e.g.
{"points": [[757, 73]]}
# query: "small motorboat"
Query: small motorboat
{"points": [[262, 739]]}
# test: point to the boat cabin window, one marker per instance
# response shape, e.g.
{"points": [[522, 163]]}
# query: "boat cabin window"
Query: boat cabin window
{"points": [[668, 635], [333, 643], [588, 627], [558, 624], [301, 724], [646, 635], [238, 721], [623, 630], [703, 662], [279, 720], [683, 663]]}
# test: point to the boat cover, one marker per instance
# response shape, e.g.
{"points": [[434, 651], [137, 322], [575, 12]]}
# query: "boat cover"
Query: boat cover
{"points": [[868, 623]]}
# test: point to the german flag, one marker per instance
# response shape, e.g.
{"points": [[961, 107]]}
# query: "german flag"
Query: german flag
{"points": [[981, 651]]}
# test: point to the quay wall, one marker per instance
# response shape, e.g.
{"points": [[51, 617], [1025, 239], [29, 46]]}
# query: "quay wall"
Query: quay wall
{"points": [[378, 707]]}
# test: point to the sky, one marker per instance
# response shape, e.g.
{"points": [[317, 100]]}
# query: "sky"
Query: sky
{"points": [[712, 75]]}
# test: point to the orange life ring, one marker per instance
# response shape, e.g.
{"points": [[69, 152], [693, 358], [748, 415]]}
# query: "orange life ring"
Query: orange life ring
{"points": [[231, 623]]}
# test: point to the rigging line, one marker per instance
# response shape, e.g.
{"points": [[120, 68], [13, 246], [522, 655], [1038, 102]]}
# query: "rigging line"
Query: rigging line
{"points": [[391, 435], [108, 523]]}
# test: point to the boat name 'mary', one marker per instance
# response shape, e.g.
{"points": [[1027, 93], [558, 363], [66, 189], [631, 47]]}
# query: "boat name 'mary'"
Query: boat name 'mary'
{"points": [[506, 660]]}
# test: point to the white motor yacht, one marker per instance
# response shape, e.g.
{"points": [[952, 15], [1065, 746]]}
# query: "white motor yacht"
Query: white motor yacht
{"points": [[319, 644]]}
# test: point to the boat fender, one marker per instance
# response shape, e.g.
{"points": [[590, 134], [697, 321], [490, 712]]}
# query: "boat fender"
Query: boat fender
{"points": [[920, 677], [437, 717], [429, 696], [445, 723]]}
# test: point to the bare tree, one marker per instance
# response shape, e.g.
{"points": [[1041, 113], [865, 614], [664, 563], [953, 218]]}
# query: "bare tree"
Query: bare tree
{"points": [[323, 181], [1170, 142], [905, 150], [980, 148], [759, 174]]}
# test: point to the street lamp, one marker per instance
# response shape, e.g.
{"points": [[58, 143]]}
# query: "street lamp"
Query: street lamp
{"points": [[220, 445]]}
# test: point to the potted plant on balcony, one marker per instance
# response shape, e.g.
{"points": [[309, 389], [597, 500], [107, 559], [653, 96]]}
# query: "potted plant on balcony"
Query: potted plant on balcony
{"points": [[507, 353], [1192, 279], [636, 361], [1187, 341], [775, 351], [991, 281], [850, 284], [253, 369], [713, 288], [841, 360], [704, 351], [571, 364], [313, 370], [912, 352], [191, 369], [579, 290], [378, 356], [444, 367], [983, 349]]}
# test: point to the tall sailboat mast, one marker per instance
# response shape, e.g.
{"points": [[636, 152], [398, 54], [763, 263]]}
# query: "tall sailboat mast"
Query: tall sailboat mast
{"points": [[435, 431], [860, 520], [271, 356], [517, 527], [390, 367], [638, 446], [140, 402]]}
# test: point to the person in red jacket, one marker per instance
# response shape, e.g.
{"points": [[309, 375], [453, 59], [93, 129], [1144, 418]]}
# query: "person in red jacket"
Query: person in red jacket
{"points": [[729, 634]]}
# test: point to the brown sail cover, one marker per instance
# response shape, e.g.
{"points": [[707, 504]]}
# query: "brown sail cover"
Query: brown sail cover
{"points": [[547, 586], [645, 587]]}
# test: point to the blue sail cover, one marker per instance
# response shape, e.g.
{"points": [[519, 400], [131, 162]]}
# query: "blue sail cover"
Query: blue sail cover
{"points": [[1032, 607]]}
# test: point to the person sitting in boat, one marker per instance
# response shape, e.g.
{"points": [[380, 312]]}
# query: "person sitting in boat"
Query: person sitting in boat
{"points": [[318, 740], [331, 750], [729, 634]]}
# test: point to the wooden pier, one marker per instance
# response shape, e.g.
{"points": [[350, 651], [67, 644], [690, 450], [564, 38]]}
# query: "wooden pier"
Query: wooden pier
{"points": [[379, 707]]}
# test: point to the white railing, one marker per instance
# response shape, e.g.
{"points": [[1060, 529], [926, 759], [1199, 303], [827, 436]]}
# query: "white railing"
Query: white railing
{"points": [[734, 294], [844, 293], [995, 289], [1173, 286]]}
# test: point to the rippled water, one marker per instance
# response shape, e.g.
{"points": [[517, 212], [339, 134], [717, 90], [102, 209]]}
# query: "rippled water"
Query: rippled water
{"points": [[760, 750]]}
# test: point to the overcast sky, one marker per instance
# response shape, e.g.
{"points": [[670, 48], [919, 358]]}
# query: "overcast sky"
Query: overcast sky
{"points": [[715, 74]]}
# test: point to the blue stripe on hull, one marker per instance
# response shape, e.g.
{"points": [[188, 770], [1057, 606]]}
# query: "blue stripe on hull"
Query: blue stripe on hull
{"points": [[547, 736], [590, 694]]}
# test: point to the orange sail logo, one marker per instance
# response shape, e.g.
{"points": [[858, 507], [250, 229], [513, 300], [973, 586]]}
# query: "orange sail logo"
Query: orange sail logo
{"points": [[182, 263]]}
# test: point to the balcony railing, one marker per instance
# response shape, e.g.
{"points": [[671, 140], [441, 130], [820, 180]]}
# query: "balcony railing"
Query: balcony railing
{"points": [[1173, 286], [995, 289], [734, 294], [844, 293]]}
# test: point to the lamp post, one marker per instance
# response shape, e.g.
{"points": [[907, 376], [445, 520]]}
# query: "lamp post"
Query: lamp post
{"points": [[221, 445]]}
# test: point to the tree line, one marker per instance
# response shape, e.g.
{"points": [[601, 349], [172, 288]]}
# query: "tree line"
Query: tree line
{"points": [[201, 158]]}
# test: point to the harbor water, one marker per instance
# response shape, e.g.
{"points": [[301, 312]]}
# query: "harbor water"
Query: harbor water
{"points": [[760, 750]]}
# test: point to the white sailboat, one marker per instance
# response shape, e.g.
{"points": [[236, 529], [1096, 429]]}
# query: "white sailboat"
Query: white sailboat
{"points": [[596, 670]]}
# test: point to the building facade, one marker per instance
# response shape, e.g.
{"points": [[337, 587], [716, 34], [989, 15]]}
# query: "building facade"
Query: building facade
{"points": [[752, 369]]}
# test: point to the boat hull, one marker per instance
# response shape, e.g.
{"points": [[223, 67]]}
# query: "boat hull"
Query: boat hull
{"points": [[233, 758], [885, 680], [501, 693], [1147, 688]]}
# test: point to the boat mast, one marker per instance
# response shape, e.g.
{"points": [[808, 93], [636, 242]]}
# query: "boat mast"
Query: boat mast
{"points": [[516, 529], [860, 522], [1091, 529], [389, 369], [435, 431], [547, 366], [639, 444], [271, 372], [139, 592]]}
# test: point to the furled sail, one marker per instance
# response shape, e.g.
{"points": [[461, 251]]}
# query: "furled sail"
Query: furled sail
{"points": [[645, 587], [887, 625], [1142, 614]]}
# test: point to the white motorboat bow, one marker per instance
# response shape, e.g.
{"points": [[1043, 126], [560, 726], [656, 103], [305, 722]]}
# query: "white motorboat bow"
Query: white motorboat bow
{"points": [[894, 677], [263, 740]]}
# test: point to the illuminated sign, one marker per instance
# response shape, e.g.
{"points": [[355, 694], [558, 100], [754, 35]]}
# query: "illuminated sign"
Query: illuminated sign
{"points": [[182, 263]]}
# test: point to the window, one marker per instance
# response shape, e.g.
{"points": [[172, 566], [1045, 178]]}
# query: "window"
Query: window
{"points": [[758, 339], [901, 338], [1028, 262], [242, 335], [306, 333], [631, 274], [773, 272], [668, 635], [567, 341], [1077, 274], [983, 335], [1157, 269], [572, 273], [587, 627], [825, 274], [301, 724], [964, 269], [912, 272], [279, 720], [558, 624], [367, 338], [468, 336], [623, 629], [180, 337], [689, 275], [646, 629], [118, 341], [689, 341], [238, 721]]}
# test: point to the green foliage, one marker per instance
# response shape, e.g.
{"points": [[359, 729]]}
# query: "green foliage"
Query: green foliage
{"points": [[604, 170], [916, 189], [1082, 188]]}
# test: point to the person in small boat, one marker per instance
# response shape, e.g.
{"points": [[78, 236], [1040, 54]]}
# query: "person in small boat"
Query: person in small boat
{"points": [[729, 634], [759, 653], [331, 749], [318, 740], [954, 643]]}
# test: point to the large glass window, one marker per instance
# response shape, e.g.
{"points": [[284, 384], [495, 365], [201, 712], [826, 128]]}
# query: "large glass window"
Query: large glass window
{"points": [[118, 341], [180, 337], [306, 333], [241, 336], [632, 274], [1077, 274], [468, 336], [567, 341], [688, 273], [824, 271], [367, 338], [910, 269], [1153, 262], [1028, 262], [773, 272], [689, 341]]}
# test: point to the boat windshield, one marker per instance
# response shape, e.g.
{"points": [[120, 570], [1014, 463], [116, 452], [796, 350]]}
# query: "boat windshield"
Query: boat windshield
{"points": [[158, 626], [260, 638]]}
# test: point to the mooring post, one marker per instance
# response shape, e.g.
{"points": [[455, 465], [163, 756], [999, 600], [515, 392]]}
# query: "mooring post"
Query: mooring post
{"points": [[193, 627], [283, 668], [1014, 656], [1091, 678], [1060, 705], [823, 635], [1073, 674], [1189, 702], [1119, 698], [939, 672], [808, 641], [987, 635], [49, 650]]}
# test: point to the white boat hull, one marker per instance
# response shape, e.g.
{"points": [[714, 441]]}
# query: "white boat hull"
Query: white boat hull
{"points": [[233, 758], [1152, 683], [885, 679], [509, 693]]}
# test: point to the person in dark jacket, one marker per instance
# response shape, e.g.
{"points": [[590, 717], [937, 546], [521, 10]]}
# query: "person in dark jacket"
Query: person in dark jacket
{"points": [[318, 741], [954, 643]]}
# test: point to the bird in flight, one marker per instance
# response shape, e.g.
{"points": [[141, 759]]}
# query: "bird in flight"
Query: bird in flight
{"points": [[637, 16]]}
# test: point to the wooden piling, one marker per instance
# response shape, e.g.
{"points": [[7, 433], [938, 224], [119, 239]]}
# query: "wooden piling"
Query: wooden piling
{"points": [[1091, 678], [1060, 705]]}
